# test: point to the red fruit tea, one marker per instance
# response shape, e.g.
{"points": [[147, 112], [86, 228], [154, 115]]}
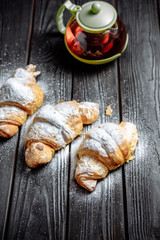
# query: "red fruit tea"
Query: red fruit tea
{"points": [[96, 46]]}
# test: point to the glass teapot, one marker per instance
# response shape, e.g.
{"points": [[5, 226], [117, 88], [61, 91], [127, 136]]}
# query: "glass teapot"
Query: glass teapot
{"points": [[94, 34]]}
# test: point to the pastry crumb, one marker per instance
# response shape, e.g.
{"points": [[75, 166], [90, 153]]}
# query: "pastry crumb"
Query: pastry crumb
{"points": [[60, 101], [130, 158], [109, 111]]}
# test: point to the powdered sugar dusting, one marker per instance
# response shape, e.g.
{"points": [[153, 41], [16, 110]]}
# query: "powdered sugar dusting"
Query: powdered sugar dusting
{"points": [[7, 112], [88, 109], [131, 134], [46, 132], [91, 144], [90, 105], [70, 108], [130, 130], [106, 141], [17, 89], [114, 131], [90, 166], [52, 125], [88, 170], [55, 125], [23, 75], [50, 114]]}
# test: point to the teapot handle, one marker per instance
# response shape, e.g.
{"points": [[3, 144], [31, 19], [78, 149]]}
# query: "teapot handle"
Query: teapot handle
{"points": [[59, 19]]}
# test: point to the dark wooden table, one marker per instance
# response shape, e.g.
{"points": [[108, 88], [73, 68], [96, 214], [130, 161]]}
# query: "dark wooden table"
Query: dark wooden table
{"points": [[47, 203]]}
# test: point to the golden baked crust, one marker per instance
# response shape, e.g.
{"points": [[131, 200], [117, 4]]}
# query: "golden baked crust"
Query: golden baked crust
{"points": [[89, 112], [19, 96], [12, 115], [8, 130], [38, 154], [56, 126], [104, 149], [89, 170], [109, 111]]}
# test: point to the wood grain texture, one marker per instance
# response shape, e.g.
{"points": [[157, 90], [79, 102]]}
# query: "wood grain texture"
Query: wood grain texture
{"points": [[39, 201], [92, 215], [47, 11], [14, 35], [140, 91], [47, 203], [96, 215]]}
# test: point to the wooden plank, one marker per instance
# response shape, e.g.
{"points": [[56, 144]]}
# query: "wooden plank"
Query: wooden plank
{"points": [[96, 215], [139, 78], [14, 35], [39, 203], [47, 16]]}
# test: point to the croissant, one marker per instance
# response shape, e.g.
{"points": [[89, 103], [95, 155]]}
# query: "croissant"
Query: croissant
{"points": [[103, 149], [19, 96], [54, 127]]}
